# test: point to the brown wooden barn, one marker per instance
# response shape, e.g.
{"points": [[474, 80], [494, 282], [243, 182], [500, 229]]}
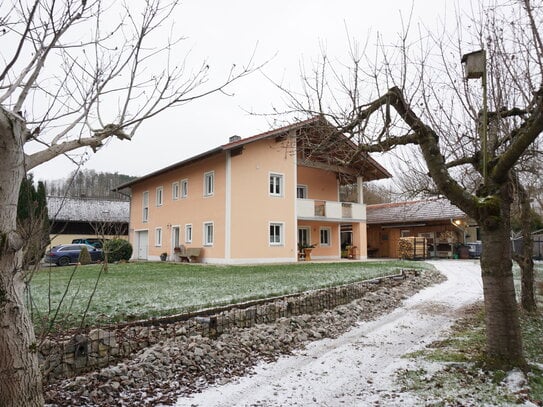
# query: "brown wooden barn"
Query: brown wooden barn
{"points": [[441, 223]]}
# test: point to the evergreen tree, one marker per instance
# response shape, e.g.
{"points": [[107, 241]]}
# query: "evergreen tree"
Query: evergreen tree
{"points": [[84, 256], [33, 220]]}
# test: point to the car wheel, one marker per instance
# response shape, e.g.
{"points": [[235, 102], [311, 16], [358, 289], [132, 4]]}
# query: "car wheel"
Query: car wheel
{"points": [[63, 261]]}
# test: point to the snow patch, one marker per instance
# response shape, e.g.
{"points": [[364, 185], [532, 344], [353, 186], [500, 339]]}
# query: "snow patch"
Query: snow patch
{"points": [[359, 367]]}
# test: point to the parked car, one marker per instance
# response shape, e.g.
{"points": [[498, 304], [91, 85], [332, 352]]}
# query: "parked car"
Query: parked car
{"points": [[98, 243], [65, 254]]}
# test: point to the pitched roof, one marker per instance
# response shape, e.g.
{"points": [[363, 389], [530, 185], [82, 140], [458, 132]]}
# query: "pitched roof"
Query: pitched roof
{"points": [[87, 209], [413, 211], [375, 166]]}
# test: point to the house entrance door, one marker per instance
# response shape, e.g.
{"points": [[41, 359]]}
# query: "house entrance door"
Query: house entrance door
{"points": [[175, 237], [346, 239], [142, 243], [303, 236]]}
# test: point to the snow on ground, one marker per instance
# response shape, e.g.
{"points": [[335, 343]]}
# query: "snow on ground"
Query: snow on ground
{"points": [[357, 368]]}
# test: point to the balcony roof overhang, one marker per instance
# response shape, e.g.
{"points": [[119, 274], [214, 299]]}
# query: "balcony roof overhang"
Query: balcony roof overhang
{"points": [[339, 154]]}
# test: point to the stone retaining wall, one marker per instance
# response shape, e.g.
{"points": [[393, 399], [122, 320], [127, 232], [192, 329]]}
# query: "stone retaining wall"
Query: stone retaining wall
{"points": [[84, 351]]}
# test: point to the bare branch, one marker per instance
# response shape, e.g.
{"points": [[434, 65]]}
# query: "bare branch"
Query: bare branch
{"points": [[22, 40], [95, 142]]}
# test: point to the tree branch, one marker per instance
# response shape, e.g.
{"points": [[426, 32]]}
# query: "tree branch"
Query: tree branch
{"points": [[22, 40], [427, 139], [522, 137], [95, 142]]}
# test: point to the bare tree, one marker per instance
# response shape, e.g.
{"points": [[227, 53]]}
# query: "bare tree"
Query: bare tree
{"points": [[413, 94], [524, 257], [74, 74], [526, 220]]}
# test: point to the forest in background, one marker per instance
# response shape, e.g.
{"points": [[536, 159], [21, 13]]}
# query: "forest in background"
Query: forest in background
{"points": [[89, 184]]}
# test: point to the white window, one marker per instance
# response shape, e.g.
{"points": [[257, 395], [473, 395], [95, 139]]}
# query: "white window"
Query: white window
{"points": [[159, 196], [326, 234], [208, 234], [209, 183], [301, 191], [184, 188], [145, 215], [188, 233], [276, 185], [175, 191], [158, 237], [276, 234]]}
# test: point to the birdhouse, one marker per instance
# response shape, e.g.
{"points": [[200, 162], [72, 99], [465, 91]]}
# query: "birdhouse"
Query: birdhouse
{"points": [[474, 64]]}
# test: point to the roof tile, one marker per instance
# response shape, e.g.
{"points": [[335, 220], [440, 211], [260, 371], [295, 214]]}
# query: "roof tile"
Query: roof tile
{"points": [[413, 211]]}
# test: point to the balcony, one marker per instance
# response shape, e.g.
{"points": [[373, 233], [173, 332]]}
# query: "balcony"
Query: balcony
{"points": [[310, 209]]}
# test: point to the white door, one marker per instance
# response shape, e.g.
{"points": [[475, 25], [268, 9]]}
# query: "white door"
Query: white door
{"points": [[142, 242], [175, 237], [303, 236]]}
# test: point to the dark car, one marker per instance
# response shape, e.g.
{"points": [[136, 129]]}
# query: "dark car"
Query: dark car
{"points": [[65, 254], [98, 243]]}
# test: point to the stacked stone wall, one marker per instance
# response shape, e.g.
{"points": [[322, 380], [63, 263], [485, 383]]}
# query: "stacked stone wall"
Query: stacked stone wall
{"points": [[76, 353]]}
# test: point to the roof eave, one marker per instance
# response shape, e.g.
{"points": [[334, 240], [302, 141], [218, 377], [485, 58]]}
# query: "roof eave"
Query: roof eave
{"points": [[182, 163]]}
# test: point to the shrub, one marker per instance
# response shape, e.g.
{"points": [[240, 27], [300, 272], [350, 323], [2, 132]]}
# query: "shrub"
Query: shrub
{"points": [[84, 256], [117, 250]]}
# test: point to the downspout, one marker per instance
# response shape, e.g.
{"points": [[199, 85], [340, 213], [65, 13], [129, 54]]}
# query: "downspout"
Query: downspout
{"points": [[295, 231], [228, 209]]}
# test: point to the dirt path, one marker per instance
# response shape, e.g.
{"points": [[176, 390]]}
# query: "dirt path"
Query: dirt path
{"points": [[356, 369]]}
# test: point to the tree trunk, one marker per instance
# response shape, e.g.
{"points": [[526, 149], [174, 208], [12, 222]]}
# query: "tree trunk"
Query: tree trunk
{"points": [[504, 341], [525, 259], [20, 378], [527, 285]]}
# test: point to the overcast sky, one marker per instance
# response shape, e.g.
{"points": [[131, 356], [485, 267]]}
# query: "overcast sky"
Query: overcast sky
{"points": [[227, 32]]}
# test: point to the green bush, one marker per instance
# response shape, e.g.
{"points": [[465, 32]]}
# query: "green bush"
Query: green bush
{"points": [[117, 250], [84, 256]]}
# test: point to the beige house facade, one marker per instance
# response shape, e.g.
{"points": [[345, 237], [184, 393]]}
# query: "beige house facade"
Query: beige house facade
{"points": [[253, 200]]}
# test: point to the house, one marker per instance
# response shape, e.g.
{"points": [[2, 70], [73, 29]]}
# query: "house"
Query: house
{"points": [[256, 200], [439, 221], [75, 218]]}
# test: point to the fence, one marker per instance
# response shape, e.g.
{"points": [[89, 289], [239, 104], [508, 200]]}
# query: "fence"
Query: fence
{"points": [[518, 244]]}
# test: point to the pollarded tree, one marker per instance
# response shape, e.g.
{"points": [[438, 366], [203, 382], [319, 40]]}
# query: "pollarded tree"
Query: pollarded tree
{"points": [[419, 99], [73, 74]]}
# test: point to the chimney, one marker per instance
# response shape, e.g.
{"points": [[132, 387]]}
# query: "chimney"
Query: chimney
{"points": [[234, 138]]}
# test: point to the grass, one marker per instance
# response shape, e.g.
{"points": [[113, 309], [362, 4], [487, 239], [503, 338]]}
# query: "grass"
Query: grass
{"points": [[142, 290], [459, 374]]}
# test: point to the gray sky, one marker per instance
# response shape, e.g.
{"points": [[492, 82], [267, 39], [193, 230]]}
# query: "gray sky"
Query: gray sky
{"points": [[289, 32]]}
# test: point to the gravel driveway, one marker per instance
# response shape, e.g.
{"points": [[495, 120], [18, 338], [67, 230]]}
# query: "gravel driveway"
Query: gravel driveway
{"points": [[357, 368]]}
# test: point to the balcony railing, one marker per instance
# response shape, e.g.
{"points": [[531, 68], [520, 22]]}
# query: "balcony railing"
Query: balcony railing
{"points": [[330, 210]]}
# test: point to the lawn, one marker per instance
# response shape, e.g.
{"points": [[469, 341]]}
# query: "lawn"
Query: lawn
{"points": [[141, 290], [464, 374]]}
